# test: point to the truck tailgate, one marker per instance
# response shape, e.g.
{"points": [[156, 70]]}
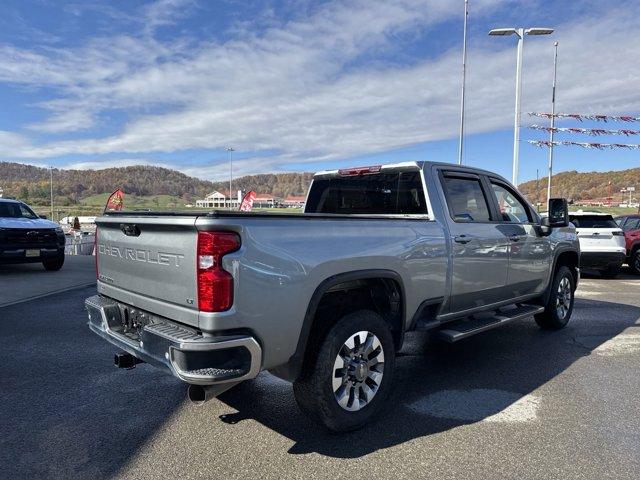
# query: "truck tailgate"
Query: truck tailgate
{"points": [[154, 257]]}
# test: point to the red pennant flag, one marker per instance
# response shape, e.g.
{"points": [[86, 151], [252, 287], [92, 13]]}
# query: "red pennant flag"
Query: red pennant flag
{"points": [[115, 200], [247, 201]]}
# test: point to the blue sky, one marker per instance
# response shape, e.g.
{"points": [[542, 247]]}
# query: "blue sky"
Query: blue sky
{"points": [[305, 85]]}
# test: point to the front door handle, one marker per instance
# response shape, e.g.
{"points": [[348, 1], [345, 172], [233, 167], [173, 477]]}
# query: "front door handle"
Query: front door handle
{"points": [[514, 238], [461, 239]]}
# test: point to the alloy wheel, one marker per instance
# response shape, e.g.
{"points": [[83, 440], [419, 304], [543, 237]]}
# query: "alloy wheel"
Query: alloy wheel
{"points": [[563, 298], [358, 371]]}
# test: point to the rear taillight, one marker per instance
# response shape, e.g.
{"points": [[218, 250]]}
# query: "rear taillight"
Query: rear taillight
{"points": [[215, 285], [95, 251]]}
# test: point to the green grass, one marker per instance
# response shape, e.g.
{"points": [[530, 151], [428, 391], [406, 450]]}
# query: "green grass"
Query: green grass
{"points": [[615, 211], [94, 205], [134, 201]]}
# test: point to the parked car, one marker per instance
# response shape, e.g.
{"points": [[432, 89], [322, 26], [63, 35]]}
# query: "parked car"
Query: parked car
{"points": [[324, 298], [27, 238], [630, 225], [602, 243]]}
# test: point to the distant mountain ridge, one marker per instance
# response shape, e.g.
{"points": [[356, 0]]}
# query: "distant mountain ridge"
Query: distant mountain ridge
{"points": [[584, 185], [31, 183]]}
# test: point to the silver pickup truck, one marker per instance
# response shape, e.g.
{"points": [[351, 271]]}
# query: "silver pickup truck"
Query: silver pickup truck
{"points": [[324, 298]]}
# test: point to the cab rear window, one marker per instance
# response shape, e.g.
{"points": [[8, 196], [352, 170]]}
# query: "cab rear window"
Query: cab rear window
{"points": [[396, 193], [593, 221]]}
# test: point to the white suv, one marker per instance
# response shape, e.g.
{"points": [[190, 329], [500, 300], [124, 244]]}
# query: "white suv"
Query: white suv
{"points": [[602, 245]]}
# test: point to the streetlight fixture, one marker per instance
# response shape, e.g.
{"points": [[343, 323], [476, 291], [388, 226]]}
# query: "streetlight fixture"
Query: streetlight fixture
{"points": [[230, 150], [520, 33]]}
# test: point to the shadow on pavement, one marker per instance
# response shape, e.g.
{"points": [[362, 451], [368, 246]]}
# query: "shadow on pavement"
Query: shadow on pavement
{"points": [[65, 411], [441, 386]]}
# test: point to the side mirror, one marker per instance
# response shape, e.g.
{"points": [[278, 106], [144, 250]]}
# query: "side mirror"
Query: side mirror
{"points": [[558, 213], [44, 217]]}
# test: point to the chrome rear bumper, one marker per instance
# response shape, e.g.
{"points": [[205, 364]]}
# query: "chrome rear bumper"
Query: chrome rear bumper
{"points": [[186, 353]]}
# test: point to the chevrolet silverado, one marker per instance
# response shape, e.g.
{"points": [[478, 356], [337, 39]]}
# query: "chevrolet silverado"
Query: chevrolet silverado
{"points": [[324, 298]]}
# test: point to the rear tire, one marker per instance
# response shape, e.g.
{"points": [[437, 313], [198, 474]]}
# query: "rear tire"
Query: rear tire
{"points": [[559, 307], [53, 264], [611, 272], [350, 378], [634, 261]]}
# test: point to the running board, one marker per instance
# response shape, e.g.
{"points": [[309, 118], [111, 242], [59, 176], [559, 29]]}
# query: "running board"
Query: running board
{"points": [[461, 329]]}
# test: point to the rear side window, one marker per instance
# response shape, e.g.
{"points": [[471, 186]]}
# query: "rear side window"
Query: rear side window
{"points": [[375, 194], [593, 221], [632, 224], [466, 200]]}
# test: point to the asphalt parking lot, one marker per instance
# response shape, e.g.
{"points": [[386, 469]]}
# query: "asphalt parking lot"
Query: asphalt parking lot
{"points": [[514, 402], [29, 281]]}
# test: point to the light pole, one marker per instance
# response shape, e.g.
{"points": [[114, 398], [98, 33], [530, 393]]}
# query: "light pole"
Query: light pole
{"points": [[464, 72], [520, 33], [553, 118], [230, 150], [51, 184]]}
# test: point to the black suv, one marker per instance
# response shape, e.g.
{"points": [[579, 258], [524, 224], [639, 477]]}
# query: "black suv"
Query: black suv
{"points": [[27, 238]]}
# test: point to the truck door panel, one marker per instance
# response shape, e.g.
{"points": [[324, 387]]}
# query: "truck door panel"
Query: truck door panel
{"points": [[529, 253], [480, 252]]}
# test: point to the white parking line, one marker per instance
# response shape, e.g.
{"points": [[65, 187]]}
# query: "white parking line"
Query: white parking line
{"points": [[622, 344], [55, 292]]}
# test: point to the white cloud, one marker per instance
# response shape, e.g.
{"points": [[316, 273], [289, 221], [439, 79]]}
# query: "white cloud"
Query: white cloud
{"points": [[302, 90], [10, 143]]}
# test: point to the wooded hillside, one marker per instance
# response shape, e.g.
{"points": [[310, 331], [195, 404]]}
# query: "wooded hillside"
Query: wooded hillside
{"points": [[584, 185], [31, 184]]}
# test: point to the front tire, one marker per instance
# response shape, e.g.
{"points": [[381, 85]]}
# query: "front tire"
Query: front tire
{"points": [[559, 307], [350, 378], [53, 264]]}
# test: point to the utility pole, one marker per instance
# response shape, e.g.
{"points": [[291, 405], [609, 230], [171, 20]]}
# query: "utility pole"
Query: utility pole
{"points": [[51, 184], [230, 150], [538, 190], [553, 118], [464, 72]]}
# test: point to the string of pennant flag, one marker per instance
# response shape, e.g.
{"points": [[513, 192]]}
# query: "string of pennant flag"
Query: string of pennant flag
{"points": [[586, 131], [598, 146], [579, 117]]}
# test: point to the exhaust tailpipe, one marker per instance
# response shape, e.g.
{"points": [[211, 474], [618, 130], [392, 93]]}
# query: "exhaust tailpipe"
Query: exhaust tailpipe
{"points": [[126, 360], [200, 394]]}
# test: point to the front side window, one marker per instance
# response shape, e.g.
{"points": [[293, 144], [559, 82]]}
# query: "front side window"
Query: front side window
{"points": [[16, 210], [397, 193], [466, 199], [512, 209]]}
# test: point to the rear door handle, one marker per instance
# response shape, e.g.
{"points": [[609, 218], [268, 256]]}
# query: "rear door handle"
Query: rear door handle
{"points": [[461, 239], [514, 238]]}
